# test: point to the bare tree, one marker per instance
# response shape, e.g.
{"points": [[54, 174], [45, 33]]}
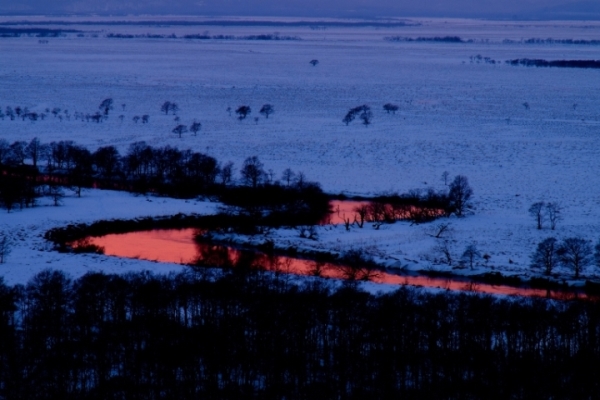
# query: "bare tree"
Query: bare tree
{"points": [[575, 253], [470, 255], [228, 111], [252, 171], [361, 214], [166, 107], [537, 211], [444, 249], [226, 173], [553, 212], [267, 110], [445, 176], [136, 119], [180, 129], [546, 255], [288, 176], [106, 106], [314, 62], [243, 111], [5, 247], [440, 229], [145, 119], [459, 194], [195, 127], [35, 150]]}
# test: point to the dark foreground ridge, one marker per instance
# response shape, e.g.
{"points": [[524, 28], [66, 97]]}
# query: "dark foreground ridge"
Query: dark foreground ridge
{"points": [[255, 335]]}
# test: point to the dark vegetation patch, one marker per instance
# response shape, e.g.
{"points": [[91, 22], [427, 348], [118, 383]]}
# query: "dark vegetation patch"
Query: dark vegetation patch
{"points": [[202, 36], [311, 24], [36, 32], [591, 42], [528, 62], [440, 39], [256, 336]]}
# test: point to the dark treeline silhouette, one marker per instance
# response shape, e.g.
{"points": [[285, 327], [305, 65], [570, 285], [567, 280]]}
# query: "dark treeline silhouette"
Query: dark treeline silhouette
{"points": [[37, 32], [255, 335], [528, 62], [202, 36], [443, 39], [592, 42], [145, 169]]}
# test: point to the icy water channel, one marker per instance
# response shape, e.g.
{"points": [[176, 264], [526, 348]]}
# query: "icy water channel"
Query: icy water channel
{"points": [[179, 246]]}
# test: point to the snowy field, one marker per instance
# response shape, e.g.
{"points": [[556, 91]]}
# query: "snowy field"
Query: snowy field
{"points": [[456, 116]]}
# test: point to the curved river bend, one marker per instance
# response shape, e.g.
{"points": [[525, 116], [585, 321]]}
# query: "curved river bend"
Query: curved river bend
{"points": [[179, 246]]}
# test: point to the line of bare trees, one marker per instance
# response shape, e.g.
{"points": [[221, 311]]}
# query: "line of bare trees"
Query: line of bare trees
{"points": [[255, 335]]}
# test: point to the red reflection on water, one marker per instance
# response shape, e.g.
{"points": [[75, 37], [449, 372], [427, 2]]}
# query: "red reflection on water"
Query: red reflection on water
{"points": [[351, 211], [179, 246]]}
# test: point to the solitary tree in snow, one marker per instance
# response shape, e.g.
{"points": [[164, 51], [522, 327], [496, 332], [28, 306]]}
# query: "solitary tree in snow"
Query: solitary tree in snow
{"points": [[553, 212], [314, 62], [390, 108], [195, 127], [575, 253], [106, 106], [242, 112], [267, 110], [546, 255], [537, 211], [470, 255], [180, 129], [459, 194], [5, 247]]}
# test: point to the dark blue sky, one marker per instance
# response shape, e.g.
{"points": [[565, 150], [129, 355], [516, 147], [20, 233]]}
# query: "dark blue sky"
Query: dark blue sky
{"points": [[537, 9]]}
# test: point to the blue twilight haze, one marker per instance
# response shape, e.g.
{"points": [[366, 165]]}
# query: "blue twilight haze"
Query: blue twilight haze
{"points": [[507, 9]]}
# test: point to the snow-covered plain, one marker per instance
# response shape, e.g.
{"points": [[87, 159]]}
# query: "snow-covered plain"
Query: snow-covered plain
{"points": [[456, 116]]}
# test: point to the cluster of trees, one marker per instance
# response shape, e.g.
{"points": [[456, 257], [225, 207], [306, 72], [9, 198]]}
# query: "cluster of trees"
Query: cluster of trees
{"points": [[542, 212], [99, 116], [574, 253], [255, 335], [163, 170], [243, 111], [416, 205]]}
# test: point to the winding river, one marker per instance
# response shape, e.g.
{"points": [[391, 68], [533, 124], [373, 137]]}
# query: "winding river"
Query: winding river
{"points": [[179, 246]]}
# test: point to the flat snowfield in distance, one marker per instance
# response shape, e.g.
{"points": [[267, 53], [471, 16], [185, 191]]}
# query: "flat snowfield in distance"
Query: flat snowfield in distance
{"points": [[520, 134]]}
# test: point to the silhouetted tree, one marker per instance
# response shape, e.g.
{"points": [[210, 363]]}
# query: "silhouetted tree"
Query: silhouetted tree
{"points": [[537, 211], [546, 255], [136, 119], [288, 176], [179, 130], [575, 253], [226, 173], [5, 247], [267, 110], [314, 62], [459, 194], [252, 171], [470, 255], [35, 150], [242, 112], [389, 107], [195, 127], [145, 118], [106, 105], [553, 211]]}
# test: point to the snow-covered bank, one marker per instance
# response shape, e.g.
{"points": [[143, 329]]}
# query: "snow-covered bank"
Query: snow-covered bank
{"points": [[31, 253]]}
